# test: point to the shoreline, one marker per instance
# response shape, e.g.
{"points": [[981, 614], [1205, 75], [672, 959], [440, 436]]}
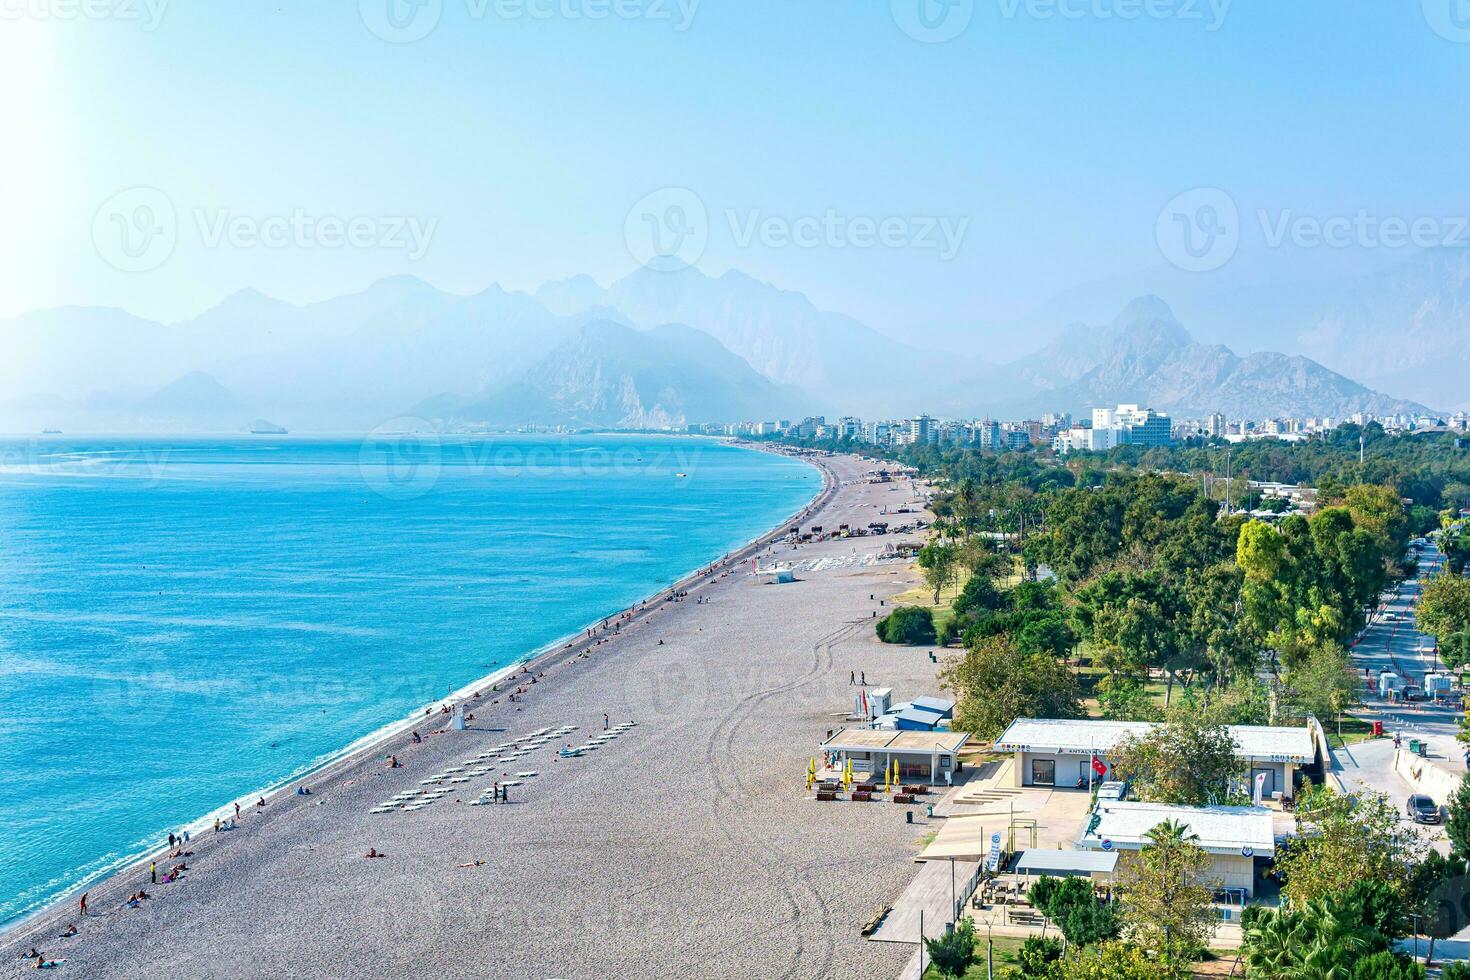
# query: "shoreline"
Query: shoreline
{"points": [[470, 695]]}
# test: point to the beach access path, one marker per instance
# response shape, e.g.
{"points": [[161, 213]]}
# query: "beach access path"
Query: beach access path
{"points": [[685, 847]]}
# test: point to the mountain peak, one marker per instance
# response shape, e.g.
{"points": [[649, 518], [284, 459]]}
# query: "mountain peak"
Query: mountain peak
{"points": [[1150, 318]]}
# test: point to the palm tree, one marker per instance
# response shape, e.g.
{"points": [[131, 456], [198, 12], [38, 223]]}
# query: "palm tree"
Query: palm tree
{"points": [[1321, 941]]}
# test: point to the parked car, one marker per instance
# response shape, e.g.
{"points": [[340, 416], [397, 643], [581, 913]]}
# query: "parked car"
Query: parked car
{"points": [[1421, 809]]}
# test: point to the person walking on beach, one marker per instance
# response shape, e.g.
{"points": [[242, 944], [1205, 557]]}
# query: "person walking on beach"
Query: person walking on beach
{"points": [[237, 809], [851, 678], [83, 903], [604, 721], [153, 872]]}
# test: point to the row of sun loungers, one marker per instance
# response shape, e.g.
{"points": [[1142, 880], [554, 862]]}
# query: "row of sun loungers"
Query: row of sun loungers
{"points": [[483, 763]]}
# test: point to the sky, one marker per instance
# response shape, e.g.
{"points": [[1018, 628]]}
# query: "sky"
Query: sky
{"points": [[914, 163]]}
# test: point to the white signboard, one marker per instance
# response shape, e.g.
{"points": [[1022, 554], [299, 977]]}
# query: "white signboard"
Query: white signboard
{"points": [[992, 862]]}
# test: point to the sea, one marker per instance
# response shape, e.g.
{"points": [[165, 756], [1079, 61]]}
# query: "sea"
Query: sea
{"points": [[185, 621]]}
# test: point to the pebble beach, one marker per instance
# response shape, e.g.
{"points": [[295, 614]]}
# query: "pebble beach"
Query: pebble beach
{"points": [[685, 845]]}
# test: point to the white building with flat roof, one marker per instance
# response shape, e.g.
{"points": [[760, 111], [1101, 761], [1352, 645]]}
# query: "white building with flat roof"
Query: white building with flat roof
{"points": [[1059, 752], [1235, 837]]}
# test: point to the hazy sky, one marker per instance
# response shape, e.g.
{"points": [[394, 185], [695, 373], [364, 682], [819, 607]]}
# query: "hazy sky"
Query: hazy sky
{"points": [[840, 147]]}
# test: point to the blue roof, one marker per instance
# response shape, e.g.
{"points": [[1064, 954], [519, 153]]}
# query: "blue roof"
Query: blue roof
{"points": [[945, 708], [919, 716]]}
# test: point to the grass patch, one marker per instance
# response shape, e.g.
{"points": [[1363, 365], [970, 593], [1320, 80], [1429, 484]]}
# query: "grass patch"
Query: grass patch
{"points": [[1354, 730]]}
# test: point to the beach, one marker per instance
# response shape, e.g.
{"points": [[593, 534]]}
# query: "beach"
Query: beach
{"points": [[685, 846]]}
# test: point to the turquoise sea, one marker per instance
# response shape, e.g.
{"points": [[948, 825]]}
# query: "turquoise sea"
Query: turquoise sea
{"points": [[183, 621]]}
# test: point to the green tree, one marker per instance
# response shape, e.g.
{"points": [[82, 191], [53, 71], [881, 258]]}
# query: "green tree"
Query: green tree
{"points": [[939, 562], [1444, 606], [1124, 699], [1457, 824], [1346, 839], [1321, 939], [1167, 896], [994, 684], [1436, 896], [913, 625], [954, 951], [1185, 761], [1379, 510], [1322, 681], [1072, 905]]}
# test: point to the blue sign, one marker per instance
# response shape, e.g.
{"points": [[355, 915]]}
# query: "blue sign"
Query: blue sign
{"points": [[1107, 845], [1247, 852]]}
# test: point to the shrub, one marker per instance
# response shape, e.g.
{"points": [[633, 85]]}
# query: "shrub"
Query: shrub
{"points": [[953, 952], [913, 625], [1036, 956]]}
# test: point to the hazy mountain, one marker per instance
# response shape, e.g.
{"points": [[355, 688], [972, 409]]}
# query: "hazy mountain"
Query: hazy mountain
{"points": [[1406, 329], [1401, 326], [609, 374], [1145, 355], [846, 365], [427, 343], [192, 402], [352, 362]]}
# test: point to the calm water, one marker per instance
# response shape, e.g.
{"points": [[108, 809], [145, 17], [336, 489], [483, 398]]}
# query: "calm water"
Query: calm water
{"points": [[184, 621]]}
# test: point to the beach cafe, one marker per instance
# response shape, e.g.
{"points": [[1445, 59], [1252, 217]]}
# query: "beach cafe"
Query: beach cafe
{"points": [[1235, 837], [1069, 753], [930, 756]]}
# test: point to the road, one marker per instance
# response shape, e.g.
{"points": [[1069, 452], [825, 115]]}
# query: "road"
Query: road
{"points": [[1392, 641]]}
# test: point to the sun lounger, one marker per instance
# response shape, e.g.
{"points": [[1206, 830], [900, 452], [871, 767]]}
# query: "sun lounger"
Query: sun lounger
{"points": [[528, 774], [460, 779]]}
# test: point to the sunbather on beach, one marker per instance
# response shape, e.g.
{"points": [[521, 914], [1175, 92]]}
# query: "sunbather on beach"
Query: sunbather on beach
{"points": [[373, 853], [71, 930], [472, 864]]}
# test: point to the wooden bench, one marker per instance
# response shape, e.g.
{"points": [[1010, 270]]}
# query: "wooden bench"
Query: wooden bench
{"points": [[826, 795], [861, 796], [918, 789], [904, 798]]}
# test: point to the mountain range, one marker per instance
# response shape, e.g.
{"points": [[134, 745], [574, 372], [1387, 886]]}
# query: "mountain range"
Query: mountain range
{"points": [[1401, 325], [653, 349]]}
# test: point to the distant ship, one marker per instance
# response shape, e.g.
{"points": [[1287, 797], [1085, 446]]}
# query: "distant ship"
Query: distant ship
{"points": [[260, 427], [50, 432]]}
